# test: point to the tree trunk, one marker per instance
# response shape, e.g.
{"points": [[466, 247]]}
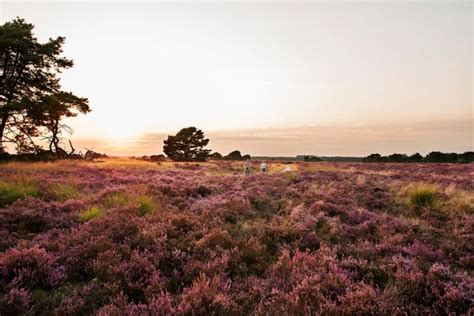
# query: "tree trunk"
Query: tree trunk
{"points": [[3, 124]]}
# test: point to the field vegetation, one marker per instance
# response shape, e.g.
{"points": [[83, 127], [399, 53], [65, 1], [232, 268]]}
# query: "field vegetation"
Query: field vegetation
{"points": [[132, 237]]}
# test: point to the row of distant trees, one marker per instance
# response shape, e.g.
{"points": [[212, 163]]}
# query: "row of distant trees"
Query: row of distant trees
{"points": [[32, 103], [189, 145], [311, 158], [434, 156]]}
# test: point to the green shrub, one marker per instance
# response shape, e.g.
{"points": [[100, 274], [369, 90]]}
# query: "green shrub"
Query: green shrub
{"points": [[10, 192], [423, 195], [63, 191], [145, 205], [91, 213]]}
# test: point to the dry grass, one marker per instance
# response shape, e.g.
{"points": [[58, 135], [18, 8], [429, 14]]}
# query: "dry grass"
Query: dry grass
{"points": [[448, 200], [459, 201], [273, 167], [39, 166], [129, 163], [318, 166]]}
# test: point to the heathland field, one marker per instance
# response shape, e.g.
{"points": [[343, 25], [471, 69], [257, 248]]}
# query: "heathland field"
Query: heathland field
{"points": [[123, 236]]}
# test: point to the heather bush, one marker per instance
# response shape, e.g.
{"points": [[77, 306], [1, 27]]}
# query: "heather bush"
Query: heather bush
{"points": [[29, 268], [215, 238], [208, 295], [15, 302], [141, 239], [26, 218]]}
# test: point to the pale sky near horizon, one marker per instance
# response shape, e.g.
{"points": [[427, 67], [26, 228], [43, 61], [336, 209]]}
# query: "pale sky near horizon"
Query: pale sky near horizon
{"points": [[286, 78]]}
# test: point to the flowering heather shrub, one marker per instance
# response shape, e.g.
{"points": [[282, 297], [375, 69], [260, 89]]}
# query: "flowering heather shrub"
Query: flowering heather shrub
{"points": [[199, 239], [16, 301], [26, 218], [29, 268]]}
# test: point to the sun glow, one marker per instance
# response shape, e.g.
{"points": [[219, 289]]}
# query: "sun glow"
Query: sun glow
{"points": [[152, 68], [119, 134]]}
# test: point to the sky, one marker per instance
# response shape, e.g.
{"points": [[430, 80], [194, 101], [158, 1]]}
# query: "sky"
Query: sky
{"points": [[268, 78]]}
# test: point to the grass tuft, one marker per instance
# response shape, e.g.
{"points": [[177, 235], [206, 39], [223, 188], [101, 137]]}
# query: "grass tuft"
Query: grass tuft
{"points": [[91, 213], [423, 195], [10, 192], [146, 205], [115, 199], [63, 191]]}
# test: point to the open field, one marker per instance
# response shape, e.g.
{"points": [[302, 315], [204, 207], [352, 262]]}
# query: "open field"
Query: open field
{"points": [[123, 236]]}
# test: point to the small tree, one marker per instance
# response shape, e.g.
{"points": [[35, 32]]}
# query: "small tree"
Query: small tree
{"points": [[29, 74], [397, 158], [216, 156], [49, 112], [234, 155], [436, 156], [187, 145], [373, 158], [157, 158], [417, 157]]}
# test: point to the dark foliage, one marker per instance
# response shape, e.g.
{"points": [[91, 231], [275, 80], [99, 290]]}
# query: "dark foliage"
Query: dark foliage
{"points": [[311, 158], [157, 158], [236, 155], [32, 104], [216, 156], [187, 145], [434, 156]]}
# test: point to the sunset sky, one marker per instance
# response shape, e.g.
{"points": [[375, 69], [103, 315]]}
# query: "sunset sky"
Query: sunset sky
{"points": [[326, 78]]}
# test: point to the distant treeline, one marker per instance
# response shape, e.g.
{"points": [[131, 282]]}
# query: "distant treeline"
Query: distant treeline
{"points": [[341, 159], [275, 158], [434, 156], [328, 158], [46, 155]]}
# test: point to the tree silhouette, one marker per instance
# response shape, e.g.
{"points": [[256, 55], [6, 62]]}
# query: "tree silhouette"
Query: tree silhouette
{"points": [[28, 73], [216, 156], [49, 112], [187, 145], [234, 155]]}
